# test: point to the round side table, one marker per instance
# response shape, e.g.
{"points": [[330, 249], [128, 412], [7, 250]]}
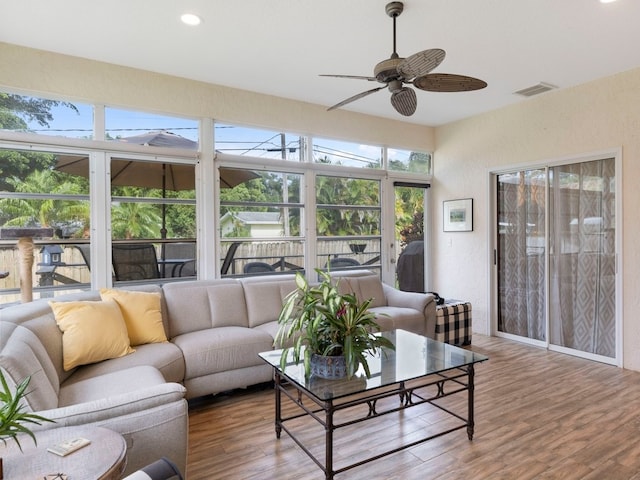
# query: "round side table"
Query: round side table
{"points": [[103, 459]]}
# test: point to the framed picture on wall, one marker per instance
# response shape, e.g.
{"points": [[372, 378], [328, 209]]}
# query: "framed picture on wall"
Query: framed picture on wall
{"points": [[458, 215]]}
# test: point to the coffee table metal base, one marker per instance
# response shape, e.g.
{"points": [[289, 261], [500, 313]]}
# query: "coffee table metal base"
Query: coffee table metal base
{"points": [[410, 394]]}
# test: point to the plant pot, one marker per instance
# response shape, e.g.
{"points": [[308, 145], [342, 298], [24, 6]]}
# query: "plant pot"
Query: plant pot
{"points": [[357, 247], [329, 367]]}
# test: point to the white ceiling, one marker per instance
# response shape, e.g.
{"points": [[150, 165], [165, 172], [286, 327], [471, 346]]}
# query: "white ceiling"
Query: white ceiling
{"points": [[279, 47]]}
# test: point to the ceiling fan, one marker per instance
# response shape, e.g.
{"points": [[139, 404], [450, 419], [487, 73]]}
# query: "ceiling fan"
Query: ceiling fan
{"points": [[414, 70]]}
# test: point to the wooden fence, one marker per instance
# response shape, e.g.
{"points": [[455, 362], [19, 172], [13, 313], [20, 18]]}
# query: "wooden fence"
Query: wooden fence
{"points": [[285, 255]]}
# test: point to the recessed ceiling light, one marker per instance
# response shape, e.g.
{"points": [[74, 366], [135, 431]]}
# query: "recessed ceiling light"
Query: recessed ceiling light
{"points": [[190, 19], [607, 1]]}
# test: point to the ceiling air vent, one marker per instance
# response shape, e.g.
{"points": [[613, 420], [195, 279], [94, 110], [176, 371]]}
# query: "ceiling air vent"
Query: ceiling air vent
{"points": [[535, 90]]}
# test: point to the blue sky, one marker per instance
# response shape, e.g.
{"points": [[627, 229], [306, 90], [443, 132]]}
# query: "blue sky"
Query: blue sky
{"points": [[261, 143]]}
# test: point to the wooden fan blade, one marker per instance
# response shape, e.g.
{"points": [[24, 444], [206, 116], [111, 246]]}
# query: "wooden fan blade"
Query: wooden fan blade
{"points": [[356, 77], [446, 82], [404, 101], [421, 63], [356, 97]]}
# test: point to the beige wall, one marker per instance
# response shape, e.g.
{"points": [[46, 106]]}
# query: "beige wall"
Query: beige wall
{"points": [[597, 116]]}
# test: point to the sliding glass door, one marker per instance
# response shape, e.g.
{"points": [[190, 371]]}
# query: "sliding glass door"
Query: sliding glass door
{"points": [[555, 257], [582, 257], [521, 254]]}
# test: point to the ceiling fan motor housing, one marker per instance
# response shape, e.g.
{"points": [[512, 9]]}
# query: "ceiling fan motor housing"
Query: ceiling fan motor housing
{"points": [[387, 70]]}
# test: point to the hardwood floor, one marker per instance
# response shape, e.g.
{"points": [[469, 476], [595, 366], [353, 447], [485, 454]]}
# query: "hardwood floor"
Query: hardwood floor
{"points": [[539, 415]]}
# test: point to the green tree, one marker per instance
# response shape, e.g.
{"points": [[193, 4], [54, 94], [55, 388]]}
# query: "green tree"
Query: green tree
{"points": [[418, 163], [14, 109], [266, 190], [135, 219], [333, 192], [15, 112], [50, 212], [181, 221], [409, 210], [16, 165]]}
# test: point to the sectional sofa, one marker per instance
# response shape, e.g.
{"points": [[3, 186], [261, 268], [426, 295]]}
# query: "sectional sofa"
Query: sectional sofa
{"points": [[201, 337]]}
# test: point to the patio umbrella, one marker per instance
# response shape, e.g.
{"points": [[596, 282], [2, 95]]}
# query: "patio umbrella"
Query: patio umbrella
{"points": [[125, 172], [166, 176]]}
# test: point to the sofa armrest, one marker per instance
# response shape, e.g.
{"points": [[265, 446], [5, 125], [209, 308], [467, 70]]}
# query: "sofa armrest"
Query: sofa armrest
{"points": [[137, 401], [422, 302], [398, 298]]}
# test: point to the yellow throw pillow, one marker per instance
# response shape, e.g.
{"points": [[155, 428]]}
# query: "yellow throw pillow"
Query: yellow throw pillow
{"points": [[142, 313], [91, 332]]}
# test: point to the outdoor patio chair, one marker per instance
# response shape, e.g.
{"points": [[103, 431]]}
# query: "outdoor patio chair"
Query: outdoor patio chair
{"points": [[185, 250], [136, 261], [258, 267], [186, 269], [228, 259], [342, 262], [178, 259], [85, 251]]}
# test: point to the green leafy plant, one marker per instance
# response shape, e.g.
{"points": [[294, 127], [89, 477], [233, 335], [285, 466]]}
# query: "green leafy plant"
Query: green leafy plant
{"points": [[321, 320], [13, 416]]}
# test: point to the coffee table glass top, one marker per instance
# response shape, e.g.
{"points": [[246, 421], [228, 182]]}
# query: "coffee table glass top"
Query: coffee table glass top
{"points": [[415, 356]]}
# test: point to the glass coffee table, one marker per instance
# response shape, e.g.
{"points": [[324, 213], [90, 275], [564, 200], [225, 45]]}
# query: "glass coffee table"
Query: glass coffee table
{"points": [[420, 372]]}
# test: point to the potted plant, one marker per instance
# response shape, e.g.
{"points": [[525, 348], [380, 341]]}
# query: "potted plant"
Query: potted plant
{"points": [[326, 325], [357, 247], [13, 418]]}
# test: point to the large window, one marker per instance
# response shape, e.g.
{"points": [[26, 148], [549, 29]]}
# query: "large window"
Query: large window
{"points": [[297, 202], [409, 161], [348, 222], [50, 208], [143, 128], [260, 222], [153, 219], [346, 154], [255, 142], [20, 113]]}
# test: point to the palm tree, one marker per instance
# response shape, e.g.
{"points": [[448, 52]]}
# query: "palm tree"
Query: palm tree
{"points": [[349, 220], [409, 210], [135, 220], [49, 212]]}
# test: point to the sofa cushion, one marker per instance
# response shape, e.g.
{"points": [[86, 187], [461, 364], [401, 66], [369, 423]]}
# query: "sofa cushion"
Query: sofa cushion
{"points": [[38, 318], [364, 288], [265, 297], [222, 349], [22, 355], [227, 305], [91, 331], [188, 307], [165, 356], [141, 312], [390, 318], [109, 385]]}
